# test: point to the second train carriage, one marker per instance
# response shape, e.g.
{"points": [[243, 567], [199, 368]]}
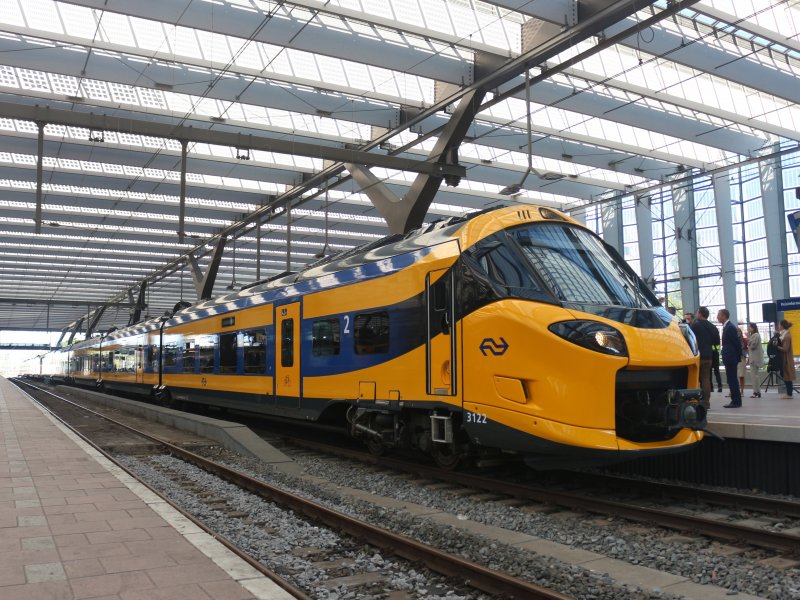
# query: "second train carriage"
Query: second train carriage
{"points": [[515, 329]]}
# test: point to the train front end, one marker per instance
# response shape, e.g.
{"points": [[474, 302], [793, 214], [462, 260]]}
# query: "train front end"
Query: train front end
{"points": [[568, 358]]}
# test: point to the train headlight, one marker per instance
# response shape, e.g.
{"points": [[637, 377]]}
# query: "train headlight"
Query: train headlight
{"points": [[688, 335], [592, 335]]}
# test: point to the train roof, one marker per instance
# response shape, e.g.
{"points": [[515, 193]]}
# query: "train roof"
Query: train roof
{"points": [[467, 229]]}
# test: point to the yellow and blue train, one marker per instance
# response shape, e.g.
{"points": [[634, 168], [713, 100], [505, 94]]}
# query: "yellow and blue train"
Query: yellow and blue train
{"points": [[511, 330]]}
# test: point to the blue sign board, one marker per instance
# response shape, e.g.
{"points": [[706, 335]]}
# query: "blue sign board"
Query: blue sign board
{"points": [[788, 304]]}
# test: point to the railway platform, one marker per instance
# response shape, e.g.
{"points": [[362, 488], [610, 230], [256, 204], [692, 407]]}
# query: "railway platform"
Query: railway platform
{"points": [[768, 418], [73, 525]]}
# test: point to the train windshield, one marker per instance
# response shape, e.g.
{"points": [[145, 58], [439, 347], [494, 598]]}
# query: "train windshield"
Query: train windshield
{"points": [[577, 268]]}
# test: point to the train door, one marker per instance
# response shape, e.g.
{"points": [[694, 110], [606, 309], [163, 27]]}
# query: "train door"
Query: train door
{"points": [[441, 333], [287, 355]]}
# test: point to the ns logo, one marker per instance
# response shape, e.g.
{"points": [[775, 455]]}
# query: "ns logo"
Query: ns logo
{"points": [[490, 345]]}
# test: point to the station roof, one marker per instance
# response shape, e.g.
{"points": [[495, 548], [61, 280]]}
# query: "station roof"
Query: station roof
{"points": [[164, 125]]}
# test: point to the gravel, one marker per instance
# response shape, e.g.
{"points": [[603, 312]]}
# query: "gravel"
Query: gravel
{"points": [[697, 560]]}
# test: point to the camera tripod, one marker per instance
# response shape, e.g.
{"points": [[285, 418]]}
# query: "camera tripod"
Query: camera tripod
{"points": [[774, 378]]}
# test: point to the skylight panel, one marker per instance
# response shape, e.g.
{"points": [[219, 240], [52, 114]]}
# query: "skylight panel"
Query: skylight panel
{"points": [[116, 28], [8, 77], [184, 42], [41, 14], [33, 80]]}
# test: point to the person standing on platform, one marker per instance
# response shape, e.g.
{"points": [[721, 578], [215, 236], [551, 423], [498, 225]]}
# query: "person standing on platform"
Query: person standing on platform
{"points": [[756, 354], [787, 354], [707, 336], [731, 355], [688, 318], [742, 366]]}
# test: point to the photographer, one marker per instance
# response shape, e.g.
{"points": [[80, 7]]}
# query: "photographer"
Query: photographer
{"points": [[784, 344]]}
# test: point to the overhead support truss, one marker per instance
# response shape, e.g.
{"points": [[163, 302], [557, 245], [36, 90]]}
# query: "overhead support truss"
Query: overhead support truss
{"points": [[46, 115]]}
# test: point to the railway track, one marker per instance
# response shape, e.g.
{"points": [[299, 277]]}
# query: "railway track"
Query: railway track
{"points": [[593, 502], [475, 575]]}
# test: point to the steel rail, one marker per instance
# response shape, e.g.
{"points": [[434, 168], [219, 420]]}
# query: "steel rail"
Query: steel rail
{"points": [[775, 506], [593, 504], [267, 572], [474, 575]]}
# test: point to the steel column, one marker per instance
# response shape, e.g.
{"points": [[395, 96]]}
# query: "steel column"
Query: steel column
{"points": [[775, 227], [686, 244], [722, 205], [644, 233], [612, 225]]}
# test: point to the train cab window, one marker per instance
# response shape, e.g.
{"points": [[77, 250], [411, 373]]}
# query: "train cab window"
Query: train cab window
{"points": [[325, 337], [205, 352], [227, 352], [371, 333], [287, 343], [254, 343], [188, 356]]}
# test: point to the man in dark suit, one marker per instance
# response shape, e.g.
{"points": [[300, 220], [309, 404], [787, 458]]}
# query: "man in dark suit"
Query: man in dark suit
{"points": [[707, 337], [731, 355]]}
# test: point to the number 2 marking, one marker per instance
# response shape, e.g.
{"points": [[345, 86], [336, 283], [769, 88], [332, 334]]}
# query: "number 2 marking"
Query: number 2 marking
{"points": [[347, 323], [477, 418]]}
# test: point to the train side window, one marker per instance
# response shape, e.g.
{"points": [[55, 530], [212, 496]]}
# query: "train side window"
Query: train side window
{"points": [[170, 351], [287, 343], [227, 352], [371, 333], [254, 342], [325, 337], [188, 356], [205, 352]]}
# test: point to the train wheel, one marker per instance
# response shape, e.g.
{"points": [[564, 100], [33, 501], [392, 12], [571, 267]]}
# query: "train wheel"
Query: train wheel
{"points": [[375, 446], [446, 456]]}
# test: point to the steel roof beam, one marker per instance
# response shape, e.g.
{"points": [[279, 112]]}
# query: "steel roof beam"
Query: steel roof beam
{"points": [[39, 301], [99, 122]]}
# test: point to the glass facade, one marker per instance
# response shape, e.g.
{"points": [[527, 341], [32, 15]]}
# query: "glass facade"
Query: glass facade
{"points": [[754, 189]]}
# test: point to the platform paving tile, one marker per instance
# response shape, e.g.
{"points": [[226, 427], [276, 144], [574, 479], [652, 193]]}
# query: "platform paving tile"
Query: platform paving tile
{"points": [[178, 592], [49, 590], [114, 583], [128, 535], [84, 567], [93, 551], [41, 572], [27, 557], [82, 527], [11, 575], [38, 543], [230, 590], [63, 509], [185, 574], [134, 523], [142, 562], [102, 515], [70, 540]]}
